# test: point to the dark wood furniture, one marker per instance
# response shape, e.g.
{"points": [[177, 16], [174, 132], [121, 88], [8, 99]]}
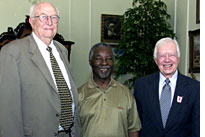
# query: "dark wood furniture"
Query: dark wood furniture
{"points": [[24, 29]]}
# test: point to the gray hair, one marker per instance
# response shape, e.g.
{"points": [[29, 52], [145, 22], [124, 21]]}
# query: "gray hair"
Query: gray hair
{"points": [[96, 46], [163, 41], [31, 13], [32, 9]]}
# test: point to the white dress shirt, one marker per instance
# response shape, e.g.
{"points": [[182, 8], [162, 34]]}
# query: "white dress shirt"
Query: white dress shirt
{"points": [[46, 55], [172, 84]]}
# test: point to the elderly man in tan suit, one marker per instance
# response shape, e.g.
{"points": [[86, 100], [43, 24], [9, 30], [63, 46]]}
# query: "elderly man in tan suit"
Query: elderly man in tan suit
{"points": [[30, 100]]}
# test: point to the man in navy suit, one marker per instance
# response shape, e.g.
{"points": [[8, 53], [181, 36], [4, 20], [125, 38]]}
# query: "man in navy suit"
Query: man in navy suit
{"points": [[183, 113]]}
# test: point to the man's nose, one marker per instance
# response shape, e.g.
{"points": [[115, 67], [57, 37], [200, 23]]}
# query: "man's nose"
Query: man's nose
{"points": [[167, 57], [49, 20], [104, 61]]}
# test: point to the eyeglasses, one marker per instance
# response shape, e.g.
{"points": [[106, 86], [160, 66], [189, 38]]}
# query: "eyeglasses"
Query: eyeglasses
{"points": [[44, 18]]}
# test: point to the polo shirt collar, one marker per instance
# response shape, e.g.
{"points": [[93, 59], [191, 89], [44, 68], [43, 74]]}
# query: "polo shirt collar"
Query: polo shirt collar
{"points": [[92, 84]]}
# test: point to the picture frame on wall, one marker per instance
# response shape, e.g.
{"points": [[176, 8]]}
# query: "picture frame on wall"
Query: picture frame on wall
{"points": [[110, 28], [194, 48], [197, 11]]}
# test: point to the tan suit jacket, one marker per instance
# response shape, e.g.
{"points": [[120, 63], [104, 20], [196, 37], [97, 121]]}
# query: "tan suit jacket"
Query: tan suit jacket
{"points": [[29, 102]]}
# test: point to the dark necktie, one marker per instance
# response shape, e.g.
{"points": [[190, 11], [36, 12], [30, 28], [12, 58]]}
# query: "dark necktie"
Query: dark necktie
{"points": [[165, 101], [66, 117]]}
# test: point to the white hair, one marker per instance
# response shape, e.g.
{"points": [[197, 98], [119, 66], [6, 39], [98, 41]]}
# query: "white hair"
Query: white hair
{"points": [[31, 13], [32, 9], [163, 41]]}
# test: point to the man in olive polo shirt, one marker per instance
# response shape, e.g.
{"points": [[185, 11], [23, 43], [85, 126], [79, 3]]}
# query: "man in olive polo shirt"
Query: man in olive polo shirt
{"points": [[106, 107]]}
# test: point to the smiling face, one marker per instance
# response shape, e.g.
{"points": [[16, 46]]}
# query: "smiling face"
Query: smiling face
{"points": [[167, 59], [44, 31], [102, 63]]}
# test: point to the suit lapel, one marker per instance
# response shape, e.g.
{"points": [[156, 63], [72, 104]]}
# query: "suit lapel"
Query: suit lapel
{"points": [[38, 60], [154, 98], [175, 108]]}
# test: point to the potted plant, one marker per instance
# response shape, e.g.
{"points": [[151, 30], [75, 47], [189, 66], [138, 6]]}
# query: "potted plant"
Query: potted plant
{"points": [[142, 26]]}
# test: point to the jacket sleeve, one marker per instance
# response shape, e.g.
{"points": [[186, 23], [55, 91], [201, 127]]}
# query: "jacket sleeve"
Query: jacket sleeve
{"points": [[134, 123], [137, 95], [10, 96]]}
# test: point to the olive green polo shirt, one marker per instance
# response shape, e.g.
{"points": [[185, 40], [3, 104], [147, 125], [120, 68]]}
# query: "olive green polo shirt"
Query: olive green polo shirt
{"points": [[107, 113]]}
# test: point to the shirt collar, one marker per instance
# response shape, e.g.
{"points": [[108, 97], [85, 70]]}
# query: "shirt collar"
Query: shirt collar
{"points": [[40, 42], [172, 79], [92, 84]]}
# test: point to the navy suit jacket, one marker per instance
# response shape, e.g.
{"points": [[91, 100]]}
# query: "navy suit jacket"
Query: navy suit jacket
{"points": [[184, 117]]}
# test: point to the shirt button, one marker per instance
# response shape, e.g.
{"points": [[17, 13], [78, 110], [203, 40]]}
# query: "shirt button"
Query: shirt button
{"points": [[104, 99], [57, 115]]}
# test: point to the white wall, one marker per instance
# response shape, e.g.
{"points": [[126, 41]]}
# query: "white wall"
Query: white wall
{"points": [[12, 12], [10, 15]]}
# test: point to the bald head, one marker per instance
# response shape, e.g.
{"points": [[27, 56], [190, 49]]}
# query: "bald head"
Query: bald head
{"points": [[41, 5]]}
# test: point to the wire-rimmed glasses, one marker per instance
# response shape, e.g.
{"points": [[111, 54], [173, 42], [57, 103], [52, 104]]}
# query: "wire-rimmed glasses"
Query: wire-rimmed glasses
{"points": [[44, 18]]}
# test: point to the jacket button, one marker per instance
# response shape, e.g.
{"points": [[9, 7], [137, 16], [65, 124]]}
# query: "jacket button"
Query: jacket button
{"points": [[57, 115]]}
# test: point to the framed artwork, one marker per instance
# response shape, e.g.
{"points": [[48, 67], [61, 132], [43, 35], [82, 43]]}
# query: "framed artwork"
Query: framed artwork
{"points": [[194, 54], [197, 11], [110, 28]]}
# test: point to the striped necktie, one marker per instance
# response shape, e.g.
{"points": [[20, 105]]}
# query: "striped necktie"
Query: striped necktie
{"points": [[66, 117], [165, 101]]}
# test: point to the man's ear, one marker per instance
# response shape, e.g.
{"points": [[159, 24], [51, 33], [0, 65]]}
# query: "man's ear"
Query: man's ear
{"points": [[155, 60], [31, 21], [90, 62]]}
